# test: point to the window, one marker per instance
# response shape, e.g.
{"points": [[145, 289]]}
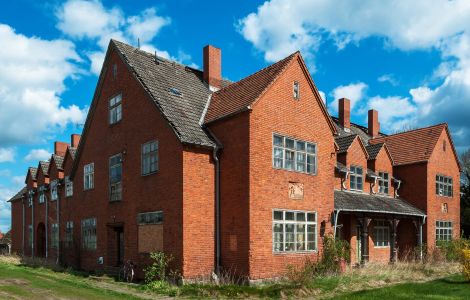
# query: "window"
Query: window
{"points": [[115, 175], [444, 145], [89, 234], [88, 176], [384, 183], [69, 234], [115, 109], [54, 186], [149, 157], [443, 231], [381, 234], [42, 194], [294, 231], [155, 217], [114, 71], [444, 186], [294, 155], [30, 231], [68, 187], [30, 198], [355, 177], [296, 90], [55, 235]]}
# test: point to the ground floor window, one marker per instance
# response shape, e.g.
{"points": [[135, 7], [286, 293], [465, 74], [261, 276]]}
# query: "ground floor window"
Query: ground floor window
{"points": [[89, 234], [69, 234], [443, 231], [381, 235], [30, 234], [55, 235], [294, 231]]}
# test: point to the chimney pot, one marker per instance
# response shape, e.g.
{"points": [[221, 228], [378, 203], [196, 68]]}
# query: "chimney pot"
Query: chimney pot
{"points": [[74, 140], [344, 112], [373, 123], [60, 148], [212, 58]]}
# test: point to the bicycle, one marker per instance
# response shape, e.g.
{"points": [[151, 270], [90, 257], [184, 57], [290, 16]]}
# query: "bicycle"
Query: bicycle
{"points": [[126, 273]]}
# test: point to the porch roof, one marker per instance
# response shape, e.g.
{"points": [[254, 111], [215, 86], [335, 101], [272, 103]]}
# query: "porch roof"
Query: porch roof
{"points": [[367, 203]]}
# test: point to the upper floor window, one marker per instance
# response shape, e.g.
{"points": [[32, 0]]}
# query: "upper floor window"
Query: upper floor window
{"points": [[115, 176], [296, 90], [443, 231], [89, 234], [30, 198], [444, 145], [294, 231], [114, 71], [381, 235], [88, 176], [42, 194], [115, 109], [356, 178], [54, 235], [68, 187], [444, 186], [149, 157], [294, 155], [384, 182], [54, 187]]}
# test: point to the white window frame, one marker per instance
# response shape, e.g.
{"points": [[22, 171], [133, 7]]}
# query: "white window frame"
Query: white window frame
{"points": [[30, 198], [444, 184], [88, 234], [354, 176], [54, 235], [54, 190], [295, 223], [88, 176], [381, 235], [69, 234], [384, 183], [444, 231], [68, 187], [42, 194], [303, 155], [115, 109], [150, 218], [115, 187], [149, 156], [296, 90]]}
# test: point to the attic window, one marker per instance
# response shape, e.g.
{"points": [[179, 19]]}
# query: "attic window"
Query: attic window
{"points": [[296, 90], [114, 71], [176, 92], [444, 146]]}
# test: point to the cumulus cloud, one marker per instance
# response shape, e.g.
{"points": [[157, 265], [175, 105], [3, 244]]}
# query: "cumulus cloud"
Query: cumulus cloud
{"points": [[393, 111], [37, 154], [90, 19], [389, 78], [32, 75], [354, 92], [7, 154]]}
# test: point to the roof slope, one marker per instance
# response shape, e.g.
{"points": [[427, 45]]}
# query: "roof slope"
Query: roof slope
{"points": [[159, 77], [58, 160], [18, 195], [361, 202], [44, 167], [374, 150], [240, 95], [33, 171], [344, 142], [412, 146]]}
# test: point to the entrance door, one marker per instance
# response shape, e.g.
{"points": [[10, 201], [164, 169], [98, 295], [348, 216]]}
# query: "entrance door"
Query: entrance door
{"points": [[358, 244], [120, 245], [41, 240]]}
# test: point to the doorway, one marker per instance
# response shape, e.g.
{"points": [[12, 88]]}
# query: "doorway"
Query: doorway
{"points": [[41, 240], [120, 245]]}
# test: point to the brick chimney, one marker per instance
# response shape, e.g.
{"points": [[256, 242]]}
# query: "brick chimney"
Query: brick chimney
{"points": [[344, 112], [212, 66], [374, 125], [60, 148], [74, 140]]}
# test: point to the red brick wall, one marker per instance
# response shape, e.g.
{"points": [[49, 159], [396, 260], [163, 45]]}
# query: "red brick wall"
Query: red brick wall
{"points": [[382, 164], [357, 157], [278, 112], [17, 226]]}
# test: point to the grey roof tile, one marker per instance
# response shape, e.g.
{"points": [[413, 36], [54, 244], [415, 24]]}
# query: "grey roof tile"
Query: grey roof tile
{"points": [[44, 167], [344, 142], [59, 161], [361, 202], [158, 77], [374, 150], [33, 171]]}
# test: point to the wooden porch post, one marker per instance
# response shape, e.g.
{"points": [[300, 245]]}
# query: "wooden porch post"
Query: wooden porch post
{"points": [[365, 239], [419, 236], [393, 242]]}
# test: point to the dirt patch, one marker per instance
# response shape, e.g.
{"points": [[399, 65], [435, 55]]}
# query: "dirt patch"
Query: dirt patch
{"points": [[13, 281]]}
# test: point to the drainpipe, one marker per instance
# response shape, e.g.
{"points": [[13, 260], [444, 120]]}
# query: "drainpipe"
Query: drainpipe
{"points": [[421, 238], [336, 223], [24, 221], [45, 202], [58, 223], [32, 227]]}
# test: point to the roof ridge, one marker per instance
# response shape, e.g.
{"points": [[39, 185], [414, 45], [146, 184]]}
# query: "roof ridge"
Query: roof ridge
{"points": [[412, 130]]}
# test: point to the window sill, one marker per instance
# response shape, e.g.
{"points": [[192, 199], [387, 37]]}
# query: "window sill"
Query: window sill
{"points": [[115, 201], [148, 174], [294, 252], [294, 171], [382, 247]]}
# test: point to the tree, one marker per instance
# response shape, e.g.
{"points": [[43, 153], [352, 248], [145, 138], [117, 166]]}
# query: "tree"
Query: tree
{"points": [[465, 190]]}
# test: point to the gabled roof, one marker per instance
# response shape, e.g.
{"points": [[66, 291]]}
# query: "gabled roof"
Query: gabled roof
{"points": [[58, 160], [72, 152], [32, 172], [44, 165], [362, 203], [238, 96], [345, 142], [18, 195], [412, 146]]}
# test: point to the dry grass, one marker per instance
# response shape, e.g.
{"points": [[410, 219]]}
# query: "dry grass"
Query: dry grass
{"points": [[10, 259]]}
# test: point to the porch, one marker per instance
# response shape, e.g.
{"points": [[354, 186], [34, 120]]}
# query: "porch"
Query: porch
{"points": [[378, 228]]}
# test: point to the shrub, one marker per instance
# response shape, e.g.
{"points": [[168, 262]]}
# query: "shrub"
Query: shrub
{"points": [[158, 269], [453, 250], [466, 263]]}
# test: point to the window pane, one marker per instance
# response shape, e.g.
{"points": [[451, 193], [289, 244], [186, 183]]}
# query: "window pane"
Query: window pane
{"points": [[278, 140], [311, 148], [311, 217], [300, 164], [277, 215], [289, 216], [300, 146], [300, 237], [290, 237], [290, 143], [289, 162]]}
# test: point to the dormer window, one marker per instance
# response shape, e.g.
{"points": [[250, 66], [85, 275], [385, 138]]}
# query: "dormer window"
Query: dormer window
{"points": [[54, 194], [114, 71], [115, 109], [384, 183], [30, 198], [356, 178], [296, 90], [42, 195]]}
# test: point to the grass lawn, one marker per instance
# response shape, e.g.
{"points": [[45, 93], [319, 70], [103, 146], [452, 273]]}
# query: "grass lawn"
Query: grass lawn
{"points": [[431, 282]]}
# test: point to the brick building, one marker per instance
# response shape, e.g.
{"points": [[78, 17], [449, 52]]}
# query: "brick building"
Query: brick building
{"points": [[247, 176]]}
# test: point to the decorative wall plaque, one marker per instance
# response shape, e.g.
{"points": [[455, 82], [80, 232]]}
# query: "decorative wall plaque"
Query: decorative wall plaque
{"points": [[296, 190], [444, 208]]}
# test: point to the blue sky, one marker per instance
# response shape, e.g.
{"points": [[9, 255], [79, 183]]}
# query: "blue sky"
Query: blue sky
{"points": [[409, 60]]}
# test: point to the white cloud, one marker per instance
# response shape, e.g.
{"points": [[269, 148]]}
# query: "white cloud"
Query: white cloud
{"points": [[354, 92], [388, 78], [5, 173], [37, 154], [90, 19], [5, 213], [322, 96], [392, 110], [7, 154], [32, 75]]}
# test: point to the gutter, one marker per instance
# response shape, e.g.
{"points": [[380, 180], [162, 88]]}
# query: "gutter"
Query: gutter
{"points": [[23, 225]]}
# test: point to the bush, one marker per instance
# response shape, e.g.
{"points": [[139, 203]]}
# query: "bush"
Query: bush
{"points": [[466, 263], [158, 269], [453, 250]]}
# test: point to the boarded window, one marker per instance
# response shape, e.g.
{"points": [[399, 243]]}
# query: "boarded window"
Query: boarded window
{"points": [[150, 238]]}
